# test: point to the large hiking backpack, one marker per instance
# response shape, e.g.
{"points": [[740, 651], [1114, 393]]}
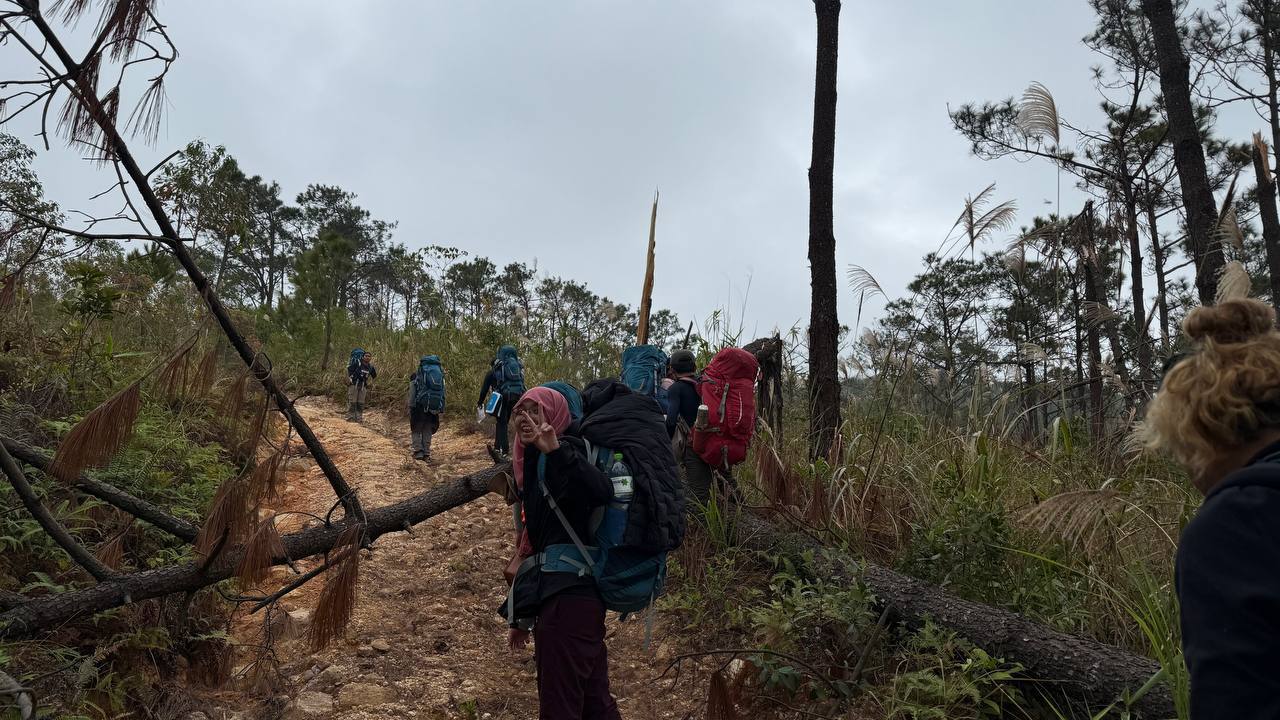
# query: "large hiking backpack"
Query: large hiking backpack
{"points": [[728, 390], [353, 365], [643, 368], [509, 372], [572, 397], [628, 578], [429, 385]]}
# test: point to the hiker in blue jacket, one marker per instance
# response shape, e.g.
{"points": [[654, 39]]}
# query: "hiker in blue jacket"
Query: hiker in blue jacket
{"points": [[506, 379], [1218, 413], [426, 403]]}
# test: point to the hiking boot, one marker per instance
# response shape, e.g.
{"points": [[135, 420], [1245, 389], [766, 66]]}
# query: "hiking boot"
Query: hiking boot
{"points": [[417, 455]]}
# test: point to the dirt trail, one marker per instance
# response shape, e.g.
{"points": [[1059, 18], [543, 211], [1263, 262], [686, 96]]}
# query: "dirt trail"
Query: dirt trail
{"points": [[426, 640]]}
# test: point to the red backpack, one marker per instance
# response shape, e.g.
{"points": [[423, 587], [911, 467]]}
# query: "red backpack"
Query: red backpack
{"points": [[728, 390]]}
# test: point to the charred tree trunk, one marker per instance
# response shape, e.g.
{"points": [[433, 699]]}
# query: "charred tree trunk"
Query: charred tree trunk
{"points": [[49, 611], [328, 339], [1159, 258], [1096, 673], [1270, 220], [768, 352], [824, 325], [1136, 284], [256, 361], [108, 493], [1188, 147]]}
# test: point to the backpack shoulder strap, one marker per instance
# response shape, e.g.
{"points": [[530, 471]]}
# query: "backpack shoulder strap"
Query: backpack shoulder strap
{"points": [[564, 521]]}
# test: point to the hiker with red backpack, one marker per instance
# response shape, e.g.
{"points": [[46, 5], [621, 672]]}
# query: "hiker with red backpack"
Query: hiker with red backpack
{"points": [[725, 421], [559, 490]]}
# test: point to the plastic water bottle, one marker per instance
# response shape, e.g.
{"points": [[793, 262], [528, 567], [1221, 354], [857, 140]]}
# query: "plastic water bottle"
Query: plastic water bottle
{"points": [[613, 525], [620, 476]]}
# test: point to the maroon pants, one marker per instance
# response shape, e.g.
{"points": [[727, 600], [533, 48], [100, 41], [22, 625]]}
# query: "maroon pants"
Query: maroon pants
{"points": [[573, 664]]}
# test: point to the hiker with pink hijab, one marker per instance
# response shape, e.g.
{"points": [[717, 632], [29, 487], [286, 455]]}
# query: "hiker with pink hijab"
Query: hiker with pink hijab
{"points": [[563, 609]]}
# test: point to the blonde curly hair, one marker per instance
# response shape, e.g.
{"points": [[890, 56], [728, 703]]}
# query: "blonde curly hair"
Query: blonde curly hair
{"points": [[1224, 394]]}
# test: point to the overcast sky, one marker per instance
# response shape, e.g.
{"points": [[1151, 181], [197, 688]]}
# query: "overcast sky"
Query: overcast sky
{"points": [[526, 130]]}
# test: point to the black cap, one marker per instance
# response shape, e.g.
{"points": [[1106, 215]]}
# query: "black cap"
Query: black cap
{"points": [[682, 362]]}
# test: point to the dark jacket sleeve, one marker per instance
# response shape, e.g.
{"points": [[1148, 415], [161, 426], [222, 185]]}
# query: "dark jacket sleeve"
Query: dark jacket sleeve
{"points": [[373, 371], [680, 398], [569, 472], [1229, 590], [486, 387]]}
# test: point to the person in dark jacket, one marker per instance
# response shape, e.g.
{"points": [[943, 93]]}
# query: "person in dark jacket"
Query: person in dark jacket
{"points": [[683, 401], [360, 378], [494, 381], [567, 612], [682, 395], [1218, 413], [617, 418]]}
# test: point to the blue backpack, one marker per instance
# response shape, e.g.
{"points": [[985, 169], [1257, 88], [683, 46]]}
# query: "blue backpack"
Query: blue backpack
{"points": [[353, 365], [628, 578], [429, 385], [572, 397], [508, 372], [643, 368]]}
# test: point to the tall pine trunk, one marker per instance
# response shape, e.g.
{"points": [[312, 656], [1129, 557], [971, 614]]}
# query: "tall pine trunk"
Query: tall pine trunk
{"points": [[328, 339], [1188, 147], [1270, 219], [1136, 284], [1158, 258], [824, 325]]}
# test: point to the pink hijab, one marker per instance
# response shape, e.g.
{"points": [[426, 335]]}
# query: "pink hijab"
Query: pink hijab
{"points": [[555, 410]]}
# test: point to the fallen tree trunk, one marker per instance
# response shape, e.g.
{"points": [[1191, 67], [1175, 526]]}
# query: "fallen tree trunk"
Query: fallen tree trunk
{"points": [[1094, 671], [51, 611], [108, 493]]}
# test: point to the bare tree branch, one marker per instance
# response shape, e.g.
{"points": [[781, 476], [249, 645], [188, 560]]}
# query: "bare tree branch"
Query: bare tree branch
{"points": [[52, 527]]}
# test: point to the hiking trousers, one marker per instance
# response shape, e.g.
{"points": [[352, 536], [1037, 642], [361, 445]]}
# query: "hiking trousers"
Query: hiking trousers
{"points": [[573, 663], [502, 434], [356, 393], [698, 479], [422, 426]]}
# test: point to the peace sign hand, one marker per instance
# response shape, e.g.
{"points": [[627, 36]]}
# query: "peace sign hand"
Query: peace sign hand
{"points": [[545, 438]]}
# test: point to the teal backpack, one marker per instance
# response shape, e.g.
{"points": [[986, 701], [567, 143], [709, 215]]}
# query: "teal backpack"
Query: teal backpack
{"points": [[353, 365], [509, 372], [429, 385], [628, 579]]}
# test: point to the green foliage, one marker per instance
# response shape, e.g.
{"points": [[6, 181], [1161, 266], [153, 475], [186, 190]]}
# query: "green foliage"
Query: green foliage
{"points": [[942, 677]]}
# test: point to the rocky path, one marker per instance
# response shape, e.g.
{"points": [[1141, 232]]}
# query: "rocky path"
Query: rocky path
{"points": [[426, 640]]}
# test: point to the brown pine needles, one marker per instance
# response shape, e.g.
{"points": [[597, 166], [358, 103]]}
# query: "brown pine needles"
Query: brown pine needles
{"points": [[99, 436], [229, 518], [338, 598], [205, 374], [111, 552], [263, 480], [260, 553], [719, 699], [172, 378]]}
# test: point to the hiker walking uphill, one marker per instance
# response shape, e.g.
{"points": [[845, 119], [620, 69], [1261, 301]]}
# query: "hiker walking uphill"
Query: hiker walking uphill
{"points": [[426, 403], [499, 393], [360, 376], [724, 424], [682, 396], [559, 488]]}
